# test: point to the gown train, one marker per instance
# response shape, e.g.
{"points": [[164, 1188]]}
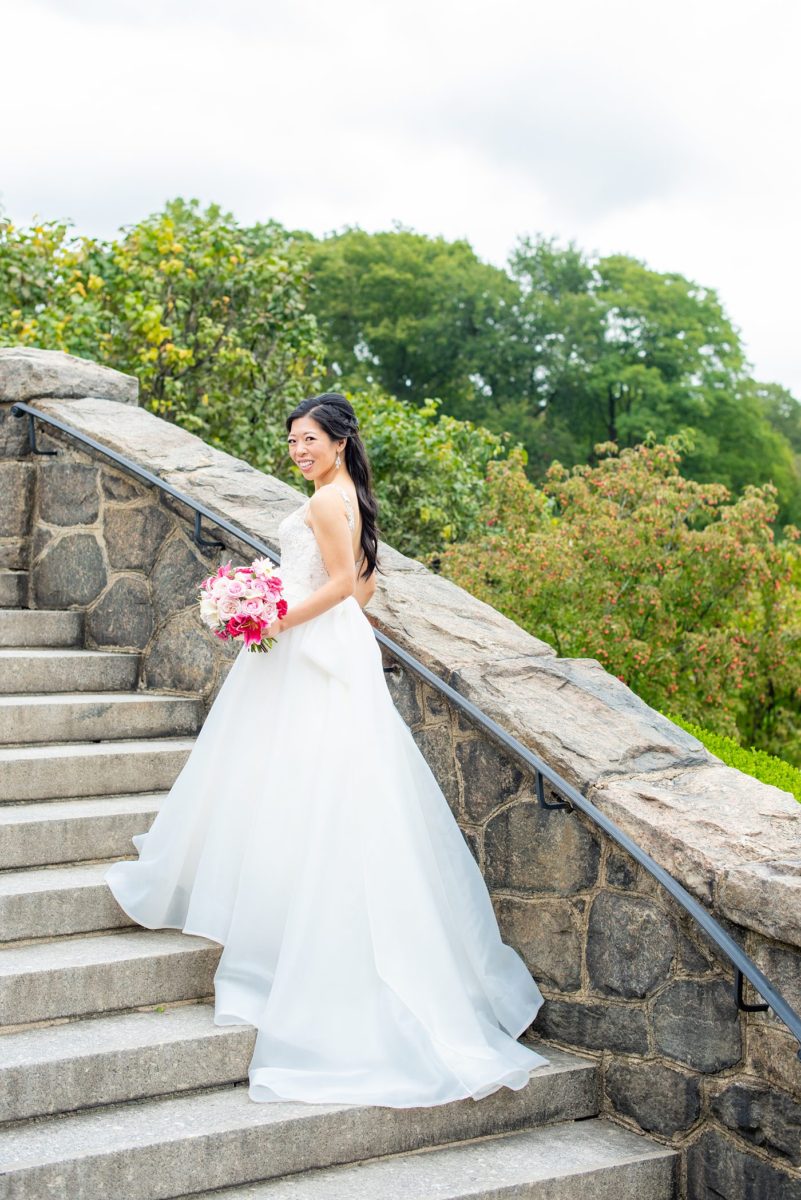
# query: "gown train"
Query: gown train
{"points": [[308, 836]]}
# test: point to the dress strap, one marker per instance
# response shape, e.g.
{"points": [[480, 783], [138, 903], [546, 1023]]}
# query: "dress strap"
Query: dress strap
{"points": [[343, 493], [344, 496], [347, 500]]}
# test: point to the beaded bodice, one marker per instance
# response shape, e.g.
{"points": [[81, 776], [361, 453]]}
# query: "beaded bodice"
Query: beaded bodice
{"points": [[302, 568]]}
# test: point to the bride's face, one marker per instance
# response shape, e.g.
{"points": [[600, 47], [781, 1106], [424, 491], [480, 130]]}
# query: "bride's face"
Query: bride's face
{"points": [[310, 448]]}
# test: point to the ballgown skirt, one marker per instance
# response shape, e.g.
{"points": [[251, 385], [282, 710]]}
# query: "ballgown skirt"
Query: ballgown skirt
{"points": [[308, 836]]}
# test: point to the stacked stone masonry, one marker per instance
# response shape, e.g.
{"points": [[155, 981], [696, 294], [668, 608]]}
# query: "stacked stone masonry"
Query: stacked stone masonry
{"points": [[628, 979]]}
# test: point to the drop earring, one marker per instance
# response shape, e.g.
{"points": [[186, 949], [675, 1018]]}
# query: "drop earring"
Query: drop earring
{"points": [[338, 461]]}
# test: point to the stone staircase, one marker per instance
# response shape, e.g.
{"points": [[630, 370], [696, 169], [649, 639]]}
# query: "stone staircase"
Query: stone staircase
{"points": [[114, 1082]]}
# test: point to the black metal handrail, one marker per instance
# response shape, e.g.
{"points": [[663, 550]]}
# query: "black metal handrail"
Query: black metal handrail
{"points": [[744, 967]]}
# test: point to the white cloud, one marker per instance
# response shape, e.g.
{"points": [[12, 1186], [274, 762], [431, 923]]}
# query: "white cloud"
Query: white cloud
{"points": [[668, 133]]}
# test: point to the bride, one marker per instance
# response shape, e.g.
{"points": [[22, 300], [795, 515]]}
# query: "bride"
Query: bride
{"points": [[307, 835]]}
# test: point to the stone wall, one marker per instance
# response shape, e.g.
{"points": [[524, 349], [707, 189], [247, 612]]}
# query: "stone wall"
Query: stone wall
{"points": [[627, 978]]}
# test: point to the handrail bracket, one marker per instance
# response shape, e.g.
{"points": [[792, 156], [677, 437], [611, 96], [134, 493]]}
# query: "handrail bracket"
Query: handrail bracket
{"points": [[32, 447], [200, 541], [742, 1004], [548, 804]]}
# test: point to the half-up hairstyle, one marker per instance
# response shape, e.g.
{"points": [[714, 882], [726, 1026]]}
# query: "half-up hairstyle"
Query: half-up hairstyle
{"points": [[335, 414]]}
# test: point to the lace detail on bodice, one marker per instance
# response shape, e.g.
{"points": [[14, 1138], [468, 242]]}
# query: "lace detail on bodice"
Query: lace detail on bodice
{"points": [[302, 568]]}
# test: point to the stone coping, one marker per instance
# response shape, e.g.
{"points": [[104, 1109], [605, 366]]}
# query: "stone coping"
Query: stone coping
{"points": [[27, 373], [734, 842]]}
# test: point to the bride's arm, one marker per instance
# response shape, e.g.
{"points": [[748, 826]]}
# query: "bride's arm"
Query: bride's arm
{"points": [[327, 510]]}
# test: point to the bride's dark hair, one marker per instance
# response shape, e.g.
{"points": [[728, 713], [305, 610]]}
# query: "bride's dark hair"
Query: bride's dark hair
{"points": [[335, 414]]}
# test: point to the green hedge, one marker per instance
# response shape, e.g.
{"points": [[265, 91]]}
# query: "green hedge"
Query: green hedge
{"points": [[762, 766]]}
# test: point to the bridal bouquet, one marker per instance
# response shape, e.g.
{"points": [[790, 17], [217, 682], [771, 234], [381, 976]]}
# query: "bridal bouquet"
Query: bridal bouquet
{"points": [[243, 602]]}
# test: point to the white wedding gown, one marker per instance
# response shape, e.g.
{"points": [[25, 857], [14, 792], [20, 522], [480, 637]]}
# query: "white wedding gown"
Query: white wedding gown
{"points": [[307, 835]]}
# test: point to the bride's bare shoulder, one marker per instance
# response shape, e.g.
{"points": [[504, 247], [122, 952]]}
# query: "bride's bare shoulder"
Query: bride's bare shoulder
{"points": [[329, 500]]}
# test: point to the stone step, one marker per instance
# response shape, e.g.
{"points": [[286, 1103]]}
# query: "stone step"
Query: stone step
{"points": [[128, 1056], [13, 588], [69, 831], [166, 1148], [91, 768], [585, 1160], [31, 627], [57, 901], [95, 716], [37, 670], [74, 977]]}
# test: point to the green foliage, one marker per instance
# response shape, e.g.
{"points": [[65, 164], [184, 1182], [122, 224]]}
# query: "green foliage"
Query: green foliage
{"points": [[213, 320], [623, 350], [416, 315], [562, 350], [765, 767], [225, 325], [210, 316], [673, 586], [782, 410], [51, 285], [430, 471]]}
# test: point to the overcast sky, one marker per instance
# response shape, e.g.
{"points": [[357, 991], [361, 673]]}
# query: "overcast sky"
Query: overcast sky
{"points": [[668, 131]]}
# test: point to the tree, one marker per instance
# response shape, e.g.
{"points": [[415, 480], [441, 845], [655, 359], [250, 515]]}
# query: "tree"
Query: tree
{"points": [[51, 285], [673, 585], [562, 350], [622, 350], [782, 410], [414, 314], [210, 316], [429, 469]]}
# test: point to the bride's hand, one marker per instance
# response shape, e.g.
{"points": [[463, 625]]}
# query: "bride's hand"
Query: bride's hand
{"points": [[275, 628]]}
